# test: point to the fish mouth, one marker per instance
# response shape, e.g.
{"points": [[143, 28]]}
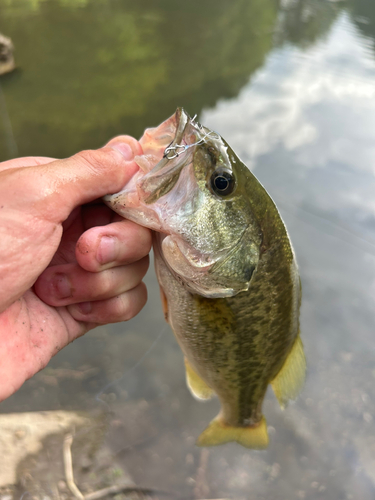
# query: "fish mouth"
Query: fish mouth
{"points": [[168, 149], [161, 179]]}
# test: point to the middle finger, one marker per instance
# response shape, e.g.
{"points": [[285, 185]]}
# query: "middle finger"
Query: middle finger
{"points": [[69, 284], [121, 242]]}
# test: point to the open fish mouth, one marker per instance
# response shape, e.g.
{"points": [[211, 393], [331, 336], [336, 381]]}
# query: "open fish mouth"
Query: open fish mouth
{"points": [[167, 149]]}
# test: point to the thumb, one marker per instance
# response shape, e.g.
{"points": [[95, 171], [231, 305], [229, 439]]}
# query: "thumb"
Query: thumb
{"points": [[53, 190]]}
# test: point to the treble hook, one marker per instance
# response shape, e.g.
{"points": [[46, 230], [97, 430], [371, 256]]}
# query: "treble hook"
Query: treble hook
{"points": [[174, 149]]}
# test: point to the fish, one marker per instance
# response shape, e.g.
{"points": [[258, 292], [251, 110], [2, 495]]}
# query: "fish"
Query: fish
{"points": [[228, 276]]}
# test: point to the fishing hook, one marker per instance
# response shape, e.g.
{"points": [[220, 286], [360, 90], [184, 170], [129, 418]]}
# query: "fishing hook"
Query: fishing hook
{"points": [[178, 149]]}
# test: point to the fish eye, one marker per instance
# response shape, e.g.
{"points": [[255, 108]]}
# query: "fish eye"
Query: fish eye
{"points": [[222, 182]]}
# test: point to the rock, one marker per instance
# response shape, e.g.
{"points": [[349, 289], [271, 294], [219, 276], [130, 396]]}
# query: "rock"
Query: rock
{"points": [[22, 434], [6, 55]]}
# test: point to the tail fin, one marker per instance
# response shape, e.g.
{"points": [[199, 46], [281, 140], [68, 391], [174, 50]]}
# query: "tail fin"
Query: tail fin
{"points": [[255, 437]]}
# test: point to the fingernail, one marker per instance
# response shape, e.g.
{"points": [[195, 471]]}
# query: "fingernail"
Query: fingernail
{"points": [[61, 286], [107, 250], [124, 149], [84, 307]]}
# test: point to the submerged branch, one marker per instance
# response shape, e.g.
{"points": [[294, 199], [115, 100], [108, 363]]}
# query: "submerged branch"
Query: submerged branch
{"points": [[68, 467]]}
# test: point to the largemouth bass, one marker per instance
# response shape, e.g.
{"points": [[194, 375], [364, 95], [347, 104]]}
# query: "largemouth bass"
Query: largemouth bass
{"points": [[227, 272]]}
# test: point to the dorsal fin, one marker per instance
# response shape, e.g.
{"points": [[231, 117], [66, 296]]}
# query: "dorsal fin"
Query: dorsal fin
{"points": [[289, 381]]}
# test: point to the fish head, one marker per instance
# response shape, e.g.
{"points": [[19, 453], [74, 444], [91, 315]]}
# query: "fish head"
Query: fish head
{"points": [[191, 189]]}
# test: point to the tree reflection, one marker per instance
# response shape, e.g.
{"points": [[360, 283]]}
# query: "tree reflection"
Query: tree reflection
{"points": [[363, 15], [93, 69], [303, 22]]}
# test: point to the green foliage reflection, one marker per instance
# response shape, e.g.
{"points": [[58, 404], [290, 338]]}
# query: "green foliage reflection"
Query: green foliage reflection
{"points": [[363, 14], [303, 22], [91, 69]]}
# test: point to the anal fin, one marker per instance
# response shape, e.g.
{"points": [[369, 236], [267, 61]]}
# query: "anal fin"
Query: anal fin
{"points": [[289, 381], [254, 437], [197, 386]]}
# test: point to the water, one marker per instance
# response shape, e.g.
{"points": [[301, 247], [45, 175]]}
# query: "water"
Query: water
{"points": [[291, 86]]}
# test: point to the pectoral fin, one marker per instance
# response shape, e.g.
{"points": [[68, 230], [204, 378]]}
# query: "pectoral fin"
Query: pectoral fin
{"points": [[255, 437], [197, 386], [164, 303], [290, 379]]}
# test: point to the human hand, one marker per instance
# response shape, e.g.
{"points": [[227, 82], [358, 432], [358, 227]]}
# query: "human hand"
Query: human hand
{"points": [[66, 266]]}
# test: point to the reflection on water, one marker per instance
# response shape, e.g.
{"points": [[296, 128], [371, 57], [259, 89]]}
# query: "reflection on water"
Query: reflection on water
{"points": [[304, 22], [87, 73], [292, 88]]}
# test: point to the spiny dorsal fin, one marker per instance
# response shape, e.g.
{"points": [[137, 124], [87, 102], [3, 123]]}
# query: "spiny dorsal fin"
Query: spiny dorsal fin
{"points": [[254, 437], [197, 386], [289, 381]]}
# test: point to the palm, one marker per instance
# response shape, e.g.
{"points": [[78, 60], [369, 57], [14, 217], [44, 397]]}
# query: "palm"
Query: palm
{"points": [[36, 331]]}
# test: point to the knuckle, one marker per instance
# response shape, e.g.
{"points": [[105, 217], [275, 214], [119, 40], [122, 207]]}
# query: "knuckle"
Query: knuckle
{"points": [[106, 283], [96, 158], [88, 157], [113, 310], [121, 308], [132, 302]]}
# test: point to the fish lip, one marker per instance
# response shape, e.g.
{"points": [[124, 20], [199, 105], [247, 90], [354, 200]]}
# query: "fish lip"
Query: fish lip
{"points": [[189, 282], [162, 177], [150, 185], [192, 256], [193, 286], [179, 276]]}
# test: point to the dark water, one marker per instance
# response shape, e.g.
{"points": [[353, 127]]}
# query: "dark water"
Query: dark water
{"points": [[291, 86]]}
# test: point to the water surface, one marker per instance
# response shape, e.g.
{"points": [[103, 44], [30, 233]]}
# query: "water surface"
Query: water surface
{"points": [[291, 86]]}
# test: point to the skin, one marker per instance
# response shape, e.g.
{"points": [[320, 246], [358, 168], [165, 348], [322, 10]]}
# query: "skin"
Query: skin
{"points": [[67, 262]]}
